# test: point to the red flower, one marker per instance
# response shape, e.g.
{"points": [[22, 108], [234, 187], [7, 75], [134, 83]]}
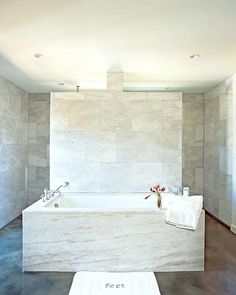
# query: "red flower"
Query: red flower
{"points": [[156, 189], [152, 190]]}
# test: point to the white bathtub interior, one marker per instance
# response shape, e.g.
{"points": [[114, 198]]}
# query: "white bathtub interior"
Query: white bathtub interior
{"points": [[110, 201]]}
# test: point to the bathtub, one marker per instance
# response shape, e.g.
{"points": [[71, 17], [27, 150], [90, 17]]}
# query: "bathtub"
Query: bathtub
{"points": [[92, 232]]}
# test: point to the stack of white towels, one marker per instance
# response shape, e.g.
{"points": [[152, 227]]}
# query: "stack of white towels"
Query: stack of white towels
{"points": [[183, 212]]}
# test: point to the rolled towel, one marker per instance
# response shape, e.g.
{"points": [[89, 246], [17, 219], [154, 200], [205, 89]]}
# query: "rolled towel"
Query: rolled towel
{"points": [[185, 212]]}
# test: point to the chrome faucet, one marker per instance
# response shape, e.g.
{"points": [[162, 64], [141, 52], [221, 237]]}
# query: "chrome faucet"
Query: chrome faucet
{"points": [[45, 195], [48, 194], [65, 184]]}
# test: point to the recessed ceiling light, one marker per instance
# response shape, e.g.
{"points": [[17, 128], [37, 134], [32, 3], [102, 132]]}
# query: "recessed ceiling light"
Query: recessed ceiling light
{"points": [[38, 55], [194, 56], [61, 83]]}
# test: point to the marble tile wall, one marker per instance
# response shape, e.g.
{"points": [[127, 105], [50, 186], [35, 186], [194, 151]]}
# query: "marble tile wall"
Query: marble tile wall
{"points": [[233, 223], [13, 151], [111, 141], [218, 151], [39, 128], [193, 129], [115, 81]]}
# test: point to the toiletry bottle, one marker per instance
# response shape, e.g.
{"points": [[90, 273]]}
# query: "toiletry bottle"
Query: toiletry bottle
{"points": [[186, 191]]}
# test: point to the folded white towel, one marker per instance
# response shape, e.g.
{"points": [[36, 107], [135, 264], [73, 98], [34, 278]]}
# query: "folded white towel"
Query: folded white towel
{"points": [[168, 198], [185, 212]]}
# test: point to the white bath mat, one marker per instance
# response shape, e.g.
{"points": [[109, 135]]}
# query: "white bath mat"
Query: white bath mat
{"points": [[105, 283]]}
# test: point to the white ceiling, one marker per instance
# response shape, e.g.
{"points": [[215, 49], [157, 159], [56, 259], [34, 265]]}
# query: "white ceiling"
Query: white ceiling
{"points": [[150, 41]]}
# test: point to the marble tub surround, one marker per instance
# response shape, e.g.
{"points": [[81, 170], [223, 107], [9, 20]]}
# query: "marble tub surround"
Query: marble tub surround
{"points": [[127, 238], [13, 150], [113, 141]]}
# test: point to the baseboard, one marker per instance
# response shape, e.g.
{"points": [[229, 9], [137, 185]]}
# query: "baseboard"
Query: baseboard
{"points": [[233, 228]]}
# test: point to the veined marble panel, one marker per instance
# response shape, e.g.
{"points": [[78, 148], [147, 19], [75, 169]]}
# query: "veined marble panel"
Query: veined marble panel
{"points": [[117, 128], [218, 143], [145, 173], [13, 150], [38, 128], [193, 129], [147, 116], [138, 147], [115, 177], [109, 241], [85, 115], [115, 115]]}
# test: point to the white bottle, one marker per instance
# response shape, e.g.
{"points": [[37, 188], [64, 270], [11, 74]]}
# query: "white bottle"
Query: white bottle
{"points": [[186, 191]]}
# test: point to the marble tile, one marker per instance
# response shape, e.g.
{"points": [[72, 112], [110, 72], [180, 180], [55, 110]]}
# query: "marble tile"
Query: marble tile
{"points": [[131, 96], [193, 135], [199, 180], [147, 116], [4, 100], [34, 194], [138, 146], [189, 138], [145, 175], [189, 177], [115, 115], [115, 177], [101, 95], [14, 131], [85, 115], [32, 132], [87, 175], [165, 96], [194, 157], [114, 127], [38, 177], [13, 150], [225, 210], [15, 106], [172, 109], [42, 130], [39, 110], [218, 150], [39, 127], [199, 133], [172, 174], [38, 155], [55, 96], [115, 81], [4, 159], [171, 125]]}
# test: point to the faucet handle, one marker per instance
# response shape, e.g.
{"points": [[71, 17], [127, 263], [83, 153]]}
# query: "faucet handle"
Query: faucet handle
{"points": [[46, 193]]}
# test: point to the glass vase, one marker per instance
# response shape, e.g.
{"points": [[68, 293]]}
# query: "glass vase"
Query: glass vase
{"points": [[159, 201]]}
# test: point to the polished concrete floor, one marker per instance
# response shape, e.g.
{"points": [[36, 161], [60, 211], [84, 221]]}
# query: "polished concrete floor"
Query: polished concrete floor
{"points": [[218, 279]]}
